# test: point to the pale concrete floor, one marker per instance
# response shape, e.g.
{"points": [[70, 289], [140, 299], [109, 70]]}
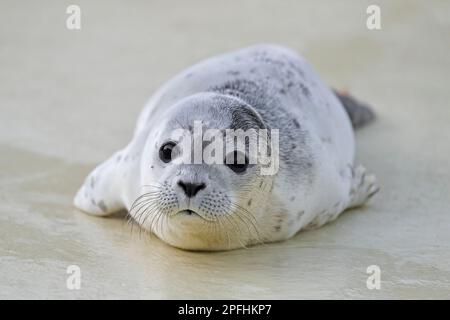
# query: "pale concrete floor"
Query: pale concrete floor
{"points": [[68, 99]]}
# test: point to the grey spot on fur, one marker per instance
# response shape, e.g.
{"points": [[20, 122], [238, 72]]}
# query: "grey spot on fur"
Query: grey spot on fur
{"points": [[300, 214], [305, 90], [249, 203], [93, 202], [102, 206], [326, 140], [297, 69], [292, 198], [233, 73], [92, 182]]}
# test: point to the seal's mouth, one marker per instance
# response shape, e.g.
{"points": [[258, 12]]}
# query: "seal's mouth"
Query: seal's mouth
{"points": [[189, 212], [192, 213]]}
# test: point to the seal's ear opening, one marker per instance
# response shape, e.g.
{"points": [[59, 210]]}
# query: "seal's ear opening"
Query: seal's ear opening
{"points": [[100, 193]]}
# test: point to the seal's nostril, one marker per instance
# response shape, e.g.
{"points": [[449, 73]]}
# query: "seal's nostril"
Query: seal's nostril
{"points": [[191, 189]]}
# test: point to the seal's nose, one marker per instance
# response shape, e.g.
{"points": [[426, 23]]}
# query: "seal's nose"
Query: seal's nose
{"points": [[191, 189]]}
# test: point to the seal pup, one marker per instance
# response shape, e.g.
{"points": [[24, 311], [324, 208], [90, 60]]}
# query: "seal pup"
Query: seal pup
{"points": [[225, 206]]}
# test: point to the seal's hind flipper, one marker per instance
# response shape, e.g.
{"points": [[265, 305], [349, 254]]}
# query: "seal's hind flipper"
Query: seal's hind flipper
{"points": [[359, 113]]}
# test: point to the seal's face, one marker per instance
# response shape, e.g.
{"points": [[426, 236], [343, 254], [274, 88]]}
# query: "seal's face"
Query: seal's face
{"points": [[197, 192]]}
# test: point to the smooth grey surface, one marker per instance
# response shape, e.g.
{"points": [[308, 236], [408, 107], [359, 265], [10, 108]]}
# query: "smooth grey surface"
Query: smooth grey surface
{"points": [[68, 99]]}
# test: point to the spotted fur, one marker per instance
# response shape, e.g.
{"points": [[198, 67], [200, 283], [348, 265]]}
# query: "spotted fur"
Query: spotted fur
{"points": [[262, 86]]}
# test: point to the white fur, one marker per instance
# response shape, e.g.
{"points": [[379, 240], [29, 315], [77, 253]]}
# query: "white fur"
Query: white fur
{"points": [[277, 213]]}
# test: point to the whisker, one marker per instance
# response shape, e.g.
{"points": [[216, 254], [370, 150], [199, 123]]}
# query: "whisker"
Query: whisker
{"points": [[249, 216], [230, 218], [150, 212]]}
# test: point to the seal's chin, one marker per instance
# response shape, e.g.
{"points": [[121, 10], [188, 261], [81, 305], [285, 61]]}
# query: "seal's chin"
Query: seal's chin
{"points": [[187, 229]]}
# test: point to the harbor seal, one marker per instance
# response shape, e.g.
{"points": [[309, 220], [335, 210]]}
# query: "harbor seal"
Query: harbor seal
{"points": [[201, 206]]}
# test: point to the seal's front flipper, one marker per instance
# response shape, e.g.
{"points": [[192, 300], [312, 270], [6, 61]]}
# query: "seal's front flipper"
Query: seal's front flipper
{"points": [[100, 193], [359, 113], [363, 187]]}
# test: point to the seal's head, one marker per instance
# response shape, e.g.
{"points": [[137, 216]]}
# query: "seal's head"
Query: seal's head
{"points": [[202, 188]]}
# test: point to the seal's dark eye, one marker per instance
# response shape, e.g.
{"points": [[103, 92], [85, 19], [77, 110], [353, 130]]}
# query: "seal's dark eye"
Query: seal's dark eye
{"points": [[237, 162], [165, 152]]}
